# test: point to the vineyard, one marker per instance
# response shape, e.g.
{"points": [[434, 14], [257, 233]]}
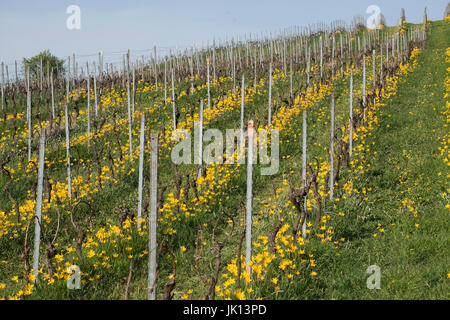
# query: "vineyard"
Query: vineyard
{"points": [[339, 161]]}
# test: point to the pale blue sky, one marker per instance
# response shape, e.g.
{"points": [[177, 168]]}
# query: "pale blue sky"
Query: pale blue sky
{"points": [[27, 27]]}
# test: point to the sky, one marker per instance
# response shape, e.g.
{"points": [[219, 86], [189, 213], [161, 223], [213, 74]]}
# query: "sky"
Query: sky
{"points": [[114, 26]]}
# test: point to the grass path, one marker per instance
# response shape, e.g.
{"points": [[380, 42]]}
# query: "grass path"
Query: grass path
{"points": [[407, 174]]}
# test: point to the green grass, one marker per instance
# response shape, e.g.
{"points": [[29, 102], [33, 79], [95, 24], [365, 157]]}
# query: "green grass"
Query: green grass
{"points": [[414, 261]]}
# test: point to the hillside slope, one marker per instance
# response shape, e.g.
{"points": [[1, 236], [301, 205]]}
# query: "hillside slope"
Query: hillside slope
{"points": [[390, 206], [404, 225]]}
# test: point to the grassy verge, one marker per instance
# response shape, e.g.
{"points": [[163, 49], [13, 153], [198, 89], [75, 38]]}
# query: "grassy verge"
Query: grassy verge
{"points": [[403, 226]]}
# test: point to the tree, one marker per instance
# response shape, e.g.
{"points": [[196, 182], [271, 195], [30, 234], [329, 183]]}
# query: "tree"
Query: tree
{"points": [[447, 11], [48, 60], [358, 22]]}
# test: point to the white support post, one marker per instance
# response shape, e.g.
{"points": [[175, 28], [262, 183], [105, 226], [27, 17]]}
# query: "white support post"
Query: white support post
{"points": [[364, 87], [381, 62], [308, 67], [152, 250], [249, 206], [69, 182], [88, 104], [29, 117], [192, 75], [233, 59], [53, 94], [3, 86], [321, 59], [304, 159], [130, 141], [290, 77], [254, 80], [38, 221], [41, 77], [95, 91], [173, 105], [214, 61], [15, 69], [270, 95], [342, 58], [241, 137], [165, 80], [332, 58], [209, 86], [350, 138], [374, 76], [200, 141], [141, 170], [155, 68], [332, 149], [133, 94]]}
